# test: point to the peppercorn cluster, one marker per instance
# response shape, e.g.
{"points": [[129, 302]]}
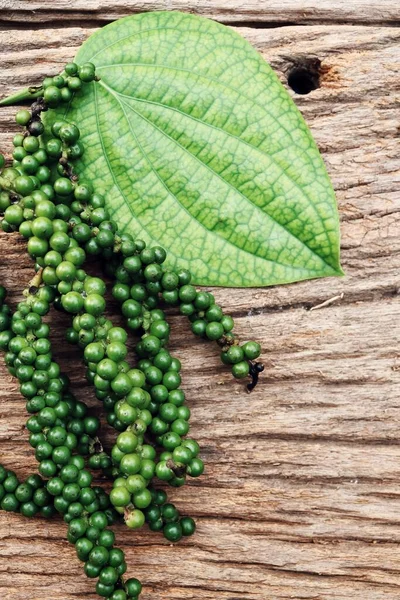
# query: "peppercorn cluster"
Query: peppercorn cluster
{"points": [[65, 221]]}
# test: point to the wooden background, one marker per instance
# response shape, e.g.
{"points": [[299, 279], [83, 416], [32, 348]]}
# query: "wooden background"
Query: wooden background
{"points": [[301, 497]]}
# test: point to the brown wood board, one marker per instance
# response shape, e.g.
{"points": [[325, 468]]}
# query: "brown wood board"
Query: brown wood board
{"points": [[264, 12], [301, 494]]}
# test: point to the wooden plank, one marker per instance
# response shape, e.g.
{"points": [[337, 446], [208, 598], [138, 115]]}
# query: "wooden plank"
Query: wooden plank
{"points": [[301, 494], [227, 11]]}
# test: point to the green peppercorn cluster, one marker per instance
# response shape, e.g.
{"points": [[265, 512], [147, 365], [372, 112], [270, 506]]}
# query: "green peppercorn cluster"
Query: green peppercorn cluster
{"points": [[29, 497], [60, 451], [65, 221]]}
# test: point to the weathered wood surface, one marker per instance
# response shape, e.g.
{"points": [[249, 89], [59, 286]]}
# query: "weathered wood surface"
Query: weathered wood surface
{"points": [[226, 11], [301, 498]]}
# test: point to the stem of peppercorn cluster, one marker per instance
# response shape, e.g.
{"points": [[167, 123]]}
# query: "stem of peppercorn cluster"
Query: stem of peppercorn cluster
{"points": [[255, 369], [34, 284], [28, 497]]}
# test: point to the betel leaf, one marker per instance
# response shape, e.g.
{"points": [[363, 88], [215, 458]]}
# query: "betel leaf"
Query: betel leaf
{"points": [[198, 148]]}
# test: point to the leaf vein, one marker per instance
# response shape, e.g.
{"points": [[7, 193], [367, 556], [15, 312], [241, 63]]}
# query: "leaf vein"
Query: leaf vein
{"points": [[240, 140], [208, 78], [206, 166], [111, 169], [116, 95]]}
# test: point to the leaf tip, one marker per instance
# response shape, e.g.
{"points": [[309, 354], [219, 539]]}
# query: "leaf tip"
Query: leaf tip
{"points": [[340, 272]]}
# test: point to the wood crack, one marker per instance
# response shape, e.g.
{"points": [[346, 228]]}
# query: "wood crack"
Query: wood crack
{"points": [[302, 485]]}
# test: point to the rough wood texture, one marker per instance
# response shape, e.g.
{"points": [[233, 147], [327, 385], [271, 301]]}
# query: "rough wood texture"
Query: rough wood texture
{"points": [[301, 495], [226, 11]]}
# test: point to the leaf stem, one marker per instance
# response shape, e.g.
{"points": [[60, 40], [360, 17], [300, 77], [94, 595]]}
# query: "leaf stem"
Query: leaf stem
{"points": [[30, 93]]}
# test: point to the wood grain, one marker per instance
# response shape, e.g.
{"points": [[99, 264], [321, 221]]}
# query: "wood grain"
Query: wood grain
{"points": [[227, 11], [301, 498]]}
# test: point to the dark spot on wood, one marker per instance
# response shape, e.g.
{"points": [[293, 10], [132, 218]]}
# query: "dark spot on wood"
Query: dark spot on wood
{"points": [[304, 75]]}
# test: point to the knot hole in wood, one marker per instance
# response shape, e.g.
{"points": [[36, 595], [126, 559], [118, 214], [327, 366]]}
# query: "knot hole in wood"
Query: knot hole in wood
{"points": [[304, 75]]}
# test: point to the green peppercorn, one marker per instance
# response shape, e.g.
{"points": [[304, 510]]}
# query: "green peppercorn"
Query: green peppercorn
{"points": [[134, 520], [52, 96], [173, 532], [214, 330], [252, 350], [23, 117], [133, 587], [188, 526], [241, 369]]}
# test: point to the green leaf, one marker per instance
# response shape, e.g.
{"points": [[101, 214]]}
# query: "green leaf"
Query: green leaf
{"points": [[198, 148]]}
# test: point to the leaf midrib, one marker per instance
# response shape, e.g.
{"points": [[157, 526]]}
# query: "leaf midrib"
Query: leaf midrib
{"points": [[235, 137], [164, 184], [117, 95]]}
